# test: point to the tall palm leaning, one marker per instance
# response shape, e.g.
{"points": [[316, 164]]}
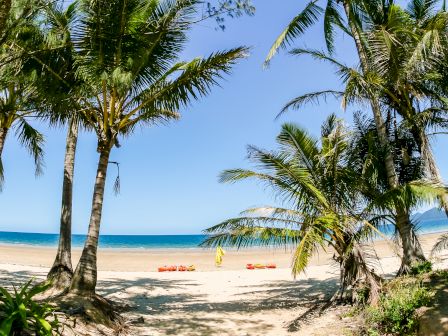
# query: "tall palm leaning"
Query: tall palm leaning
{"points": [[127, 54], [323, 205], [49, 59], [64, 95], [359, 15]]}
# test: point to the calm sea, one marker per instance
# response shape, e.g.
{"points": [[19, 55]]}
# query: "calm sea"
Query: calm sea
{"points": [[107, 241], [155, 241]]}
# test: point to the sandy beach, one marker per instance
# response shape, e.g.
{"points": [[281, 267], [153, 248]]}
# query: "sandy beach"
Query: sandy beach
{"points": [[211, 301]]}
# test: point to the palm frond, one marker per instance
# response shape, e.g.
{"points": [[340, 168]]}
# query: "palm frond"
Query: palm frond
{"points": [[312, 97], [248, 231], [304, 20], [440, 245], [33, 141]]}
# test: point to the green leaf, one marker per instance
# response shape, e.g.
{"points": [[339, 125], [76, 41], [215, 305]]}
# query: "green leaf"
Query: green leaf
{"points": [[5, 327]]}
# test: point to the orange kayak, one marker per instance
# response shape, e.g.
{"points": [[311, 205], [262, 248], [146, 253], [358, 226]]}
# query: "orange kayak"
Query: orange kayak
{"points": [[167, 268], [260, 266]]}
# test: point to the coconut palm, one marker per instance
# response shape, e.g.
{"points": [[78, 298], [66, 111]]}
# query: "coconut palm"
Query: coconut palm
{"points": [[405, 51], [62, 100], [323, 205], [366, 158], [127, 54], [361, 85], [46, 55], [358, 15]]}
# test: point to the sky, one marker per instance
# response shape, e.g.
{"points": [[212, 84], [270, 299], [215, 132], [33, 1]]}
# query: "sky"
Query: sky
{"points": [[169, 174]]}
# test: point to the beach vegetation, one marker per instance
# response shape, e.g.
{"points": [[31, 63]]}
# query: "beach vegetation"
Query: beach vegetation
{"points": [[323, 204], [21, 314], [336, 195], [421, 268], [396, 312], [114, 67], [399, 51]]}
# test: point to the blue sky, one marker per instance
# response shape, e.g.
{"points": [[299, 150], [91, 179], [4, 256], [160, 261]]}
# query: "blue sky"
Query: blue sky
{"points": [[169, 173]]}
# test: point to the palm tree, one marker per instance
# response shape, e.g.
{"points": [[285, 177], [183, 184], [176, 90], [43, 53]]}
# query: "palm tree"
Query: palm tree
{"points": [[360, 85], [324, 206], [65, 87], [356, 15], [127, 55], [366, 158], [46, 54], [405, 50]]}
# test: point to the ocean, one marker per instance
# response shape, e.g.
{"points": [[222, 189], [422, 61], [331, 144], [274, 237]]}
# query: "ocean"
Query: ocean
{"points": [[159, 241], [106, 241]]}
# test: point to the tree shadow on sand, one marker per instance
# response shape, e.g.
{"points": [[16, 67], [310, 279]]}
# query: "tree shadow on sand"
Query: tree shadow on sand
{"points": [[182, 311], [186, 313]]}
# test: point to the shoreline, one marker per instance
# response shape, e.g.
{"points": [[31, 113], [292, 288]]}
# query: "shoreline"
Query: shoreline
{"points": [[149, 259]]}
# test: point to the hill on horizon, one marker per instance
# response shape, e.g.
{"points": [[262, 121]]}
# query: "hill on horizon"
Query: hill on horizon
{"points": [[430, 215]]}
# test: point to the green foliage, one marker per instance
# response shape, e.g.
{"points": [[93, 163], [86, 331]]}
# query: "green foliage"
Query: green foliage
{"points": [[440, 245], [421, 268], [395, 313], [314, 180], [20, 314]]}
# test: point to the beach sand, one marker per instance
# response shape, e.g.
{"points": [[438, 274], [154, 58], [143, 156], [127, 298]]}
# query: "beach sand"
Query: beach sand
{"points": [[229, 300]]}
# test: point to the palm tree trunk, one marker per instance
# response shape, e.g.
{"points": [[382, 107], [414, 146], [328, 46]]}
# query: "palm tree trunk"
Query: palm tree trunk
{"points": [[61, 272], [85, 276], [410, 245], [412, 250], [379, 121], [5, 8]]}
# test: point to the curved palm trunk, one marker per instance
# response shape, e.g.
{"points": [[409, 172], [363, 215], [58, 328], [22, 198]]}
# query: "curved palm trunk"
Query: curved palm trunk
{"points": [[410, 245], [85, 276], [412, 250], [61, 272]]}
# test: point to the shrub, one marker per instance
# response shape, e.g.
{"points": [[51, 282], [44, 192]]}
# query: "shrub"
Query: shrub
{"points": [[421, 268], [395, 313], [21, 315]]}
